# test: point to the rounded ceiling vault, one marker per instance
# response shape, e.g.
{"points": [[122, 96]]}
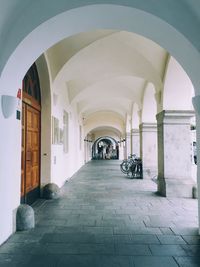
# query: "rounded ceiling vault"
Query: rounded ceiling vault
{"points": [[105, 73]]}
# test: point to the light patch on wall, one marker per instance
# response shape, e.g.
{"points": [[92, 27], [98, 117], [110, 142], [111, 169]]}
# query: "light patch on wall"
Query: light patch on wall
{"points": [[55, 99], [55, 131], [80, 137], [65, 132]]}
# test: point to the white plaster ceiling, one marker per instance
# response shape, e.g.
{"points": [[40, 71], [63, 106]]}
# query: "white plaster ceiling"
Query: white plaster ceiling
{"points": [[106, 131], [106, 71]]}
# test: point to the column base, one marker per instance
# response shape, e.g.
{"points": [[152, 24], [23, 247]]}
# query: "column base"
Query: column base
{"points": [[175, 187], [150, 172]]}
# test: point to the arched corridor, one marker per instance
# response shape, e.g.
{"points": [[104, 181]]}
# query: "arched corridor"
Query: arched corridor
{"points": [[114, 78], [105, 219]]}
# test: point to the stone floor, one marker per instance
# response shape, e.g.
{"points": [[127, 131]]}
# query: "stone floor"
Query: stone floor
{"points": [[105, 219]]}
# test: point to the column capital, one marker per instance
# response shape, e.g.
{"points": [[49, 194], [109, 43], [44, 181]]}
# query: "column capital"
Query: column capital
{"points": [[175, 116], [148, 126], [196, 104], [135, 131]]}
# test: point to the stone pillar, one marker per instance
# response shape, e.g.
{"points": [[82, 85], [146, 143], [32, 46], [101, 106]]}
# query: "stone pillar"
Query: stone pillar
{"points": [[124, 148], [128, 144], [196, 104], [121, 150], [174, 153], [85, 149], [135, 142], [90, 150], [148, 149]]}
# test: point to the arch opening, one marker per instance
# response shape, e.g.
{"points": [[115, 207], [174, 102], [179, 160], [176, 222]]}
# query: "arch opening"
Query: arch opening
{"points": [[105, 16], [105, 148]]}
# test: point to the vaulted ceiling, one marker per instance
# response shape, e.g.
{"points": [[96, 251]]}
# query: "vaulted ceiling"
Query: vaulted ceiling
{"points": [[106, 72]]}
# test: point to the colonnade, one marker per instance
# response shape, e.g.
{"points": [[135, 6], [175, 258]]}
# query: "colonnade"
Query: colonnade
{"points": [[165, 148]]}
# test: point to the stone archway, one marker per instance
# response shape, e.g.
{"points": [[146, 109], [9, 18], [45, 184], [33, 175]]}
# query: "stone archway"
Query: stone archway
{"points": [[108, 144], [94, 16]]}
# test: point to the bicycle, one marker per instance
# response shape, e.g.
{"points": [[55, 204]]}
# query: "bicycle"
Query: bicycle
{"points": [[132, 167]]}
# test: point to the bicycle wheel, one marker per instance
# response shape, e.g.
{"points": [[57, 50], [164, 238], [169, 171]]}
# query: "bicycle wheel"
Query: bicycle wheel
{"points": [[124, 166]]}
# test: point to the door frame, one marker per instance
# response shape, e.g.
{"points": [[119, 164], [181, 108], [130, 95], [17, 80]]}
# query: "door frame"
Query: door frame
{"points": [[32, 195]]}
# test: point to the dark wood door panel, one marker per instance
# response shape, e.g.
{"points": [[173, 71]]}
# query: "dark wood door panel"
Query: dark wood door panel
{"points": [[30, 150]]}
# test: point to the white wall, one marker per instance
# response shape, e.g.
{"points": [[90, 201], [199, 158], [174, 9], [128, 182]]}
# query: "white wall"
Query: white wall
{"points": [[10, 173], [178, 89], [149, 107], [64, 165]]}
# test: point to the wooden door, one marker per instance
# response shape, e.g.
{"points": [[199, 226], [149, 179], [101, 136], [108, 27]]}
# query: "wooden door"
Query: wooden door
{"points": [[30, 184], [23, 153]]}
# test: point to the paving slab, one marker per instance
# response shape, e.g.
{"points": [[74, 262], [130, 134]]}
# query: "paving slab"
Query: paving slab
{"points": [[188, 261], [105, 219], [153, 261], [171, 239]]}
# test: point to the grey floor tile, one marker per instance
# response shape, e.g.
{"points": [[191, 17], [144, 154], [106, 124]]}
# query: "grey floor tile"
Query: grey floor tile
{"points": [[43, 261], [123, 230], [104, 238], [68, 238], [158, 221], [111, 222], [167, 250], [78, 222], [21, 237], [115, 261], [98, 230], [78, 261], [185, 230], [58, 248], [192, 250], [53, 222], [97, 249], [191, 239], [13, 260], [188, 261], [152, 261], [171, 239], [40, 230], [144, 239], [147, 231], [166, 231], [132, 249], [68, 229], [119, 239], [19, 248]]}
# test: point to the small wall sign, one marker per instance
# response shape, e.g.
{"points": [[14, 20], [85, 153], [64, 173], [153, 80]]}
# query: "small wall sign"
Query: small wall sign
{"points": [[19, 94]]}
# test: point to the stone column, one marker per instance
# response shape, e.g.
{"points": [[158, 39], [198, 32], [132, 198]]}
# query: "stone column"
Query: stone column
{"points": [[90, 151], [135, 142], [85, 149], [196, 104], [174, 153], [148, 149], [121, 150], [128, 144]]}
